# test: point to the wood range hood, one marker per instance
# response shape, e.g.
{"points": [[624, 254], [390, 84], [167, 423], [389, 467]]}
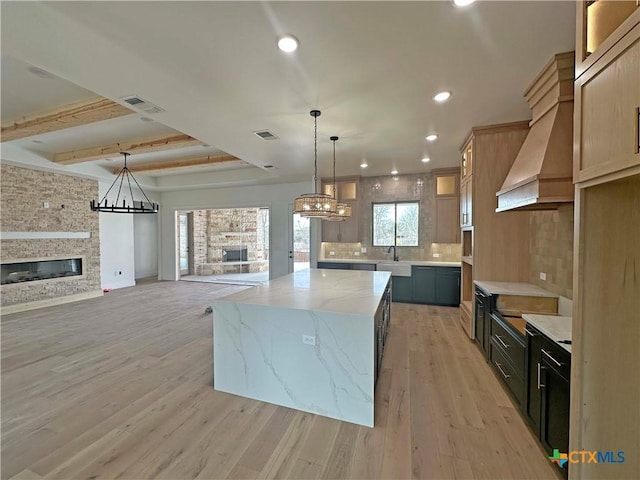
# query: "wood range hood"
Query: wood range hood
{"points": [[541, 177]]}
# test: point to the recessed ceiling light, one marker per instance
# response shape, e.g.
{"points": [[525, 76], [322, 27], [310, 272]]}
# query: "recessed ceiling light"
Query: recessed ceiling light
{"points": [[394, 172], [442, 96], [463, 3], [364, 165], [432, 137], [425, 159], [287, 43]]}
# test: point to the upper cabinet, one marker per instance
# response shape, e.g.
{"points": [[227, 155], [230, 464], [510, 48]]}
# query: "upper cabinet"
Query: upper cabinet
{"points": [[447, 204], [607, 89], [345, 231]]}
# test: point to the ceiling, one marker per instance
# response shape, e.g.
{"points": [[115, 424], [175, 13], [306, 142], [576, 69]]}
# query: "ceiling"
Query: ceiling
{"points": [[372, 68]]}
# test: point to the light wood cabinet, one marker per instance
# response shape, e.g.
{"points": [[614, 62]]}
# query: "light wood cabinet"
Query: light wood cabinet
{"points": [[466, 202], [495, 246], [447, 205], [606, 135], [346, 231], [606, 332]]}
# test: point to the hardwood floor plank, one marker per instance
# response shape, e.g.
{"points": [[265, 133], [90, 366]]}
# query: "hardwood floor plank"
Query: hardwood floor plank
{"points": [[113, 388]]}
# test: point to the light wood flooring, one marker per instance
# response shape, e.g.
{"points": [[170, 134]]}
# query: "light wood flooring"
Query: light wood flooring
{"points": [[121, 387]]}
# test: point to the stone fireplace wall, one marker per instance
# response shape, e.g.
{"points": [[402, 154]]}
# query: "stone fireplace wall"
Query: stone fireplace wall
{"points": [[22, 203]]}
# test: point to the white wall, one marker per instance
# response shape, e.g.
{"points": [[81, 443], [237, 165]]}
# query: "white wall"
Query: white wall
{"points": [[145, 245], [116, 247], [277, 197]]}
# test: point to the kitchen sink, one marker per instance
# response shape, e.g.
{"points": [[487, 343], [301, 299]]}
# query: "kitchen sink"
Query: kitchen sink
{"points": [[397, 269]]}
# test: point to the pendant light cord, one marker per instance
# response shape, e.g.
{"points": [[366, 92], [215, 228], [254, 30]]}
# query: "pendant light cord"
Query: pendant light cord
{"points": [[335, 185], [315, 153]]}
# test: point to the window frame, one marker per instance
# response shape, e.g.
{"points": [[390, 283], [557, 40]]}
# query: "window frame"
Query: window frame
{"points": [[395, 222]]}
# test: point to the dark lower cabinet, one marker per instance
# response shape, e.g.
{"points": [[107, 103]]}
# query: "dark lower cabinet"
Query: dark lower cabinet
{"points": [[370, 267], [548, 387], [402, 289], [335, 265], [507, 356], [448, 286], [436, 285], [424, 284], [482, 320]]}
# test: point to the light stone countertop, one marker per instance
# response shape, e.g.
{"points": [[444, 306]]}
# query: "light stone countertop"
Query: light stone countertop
{"points": [[321, 290], [427, 263], [555, 327], [513, 288]]}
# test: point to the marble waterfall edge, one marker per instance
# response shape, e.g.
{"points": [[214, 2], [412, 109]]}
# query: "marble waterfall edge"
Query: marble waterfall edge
{"points": [[259, 353]]}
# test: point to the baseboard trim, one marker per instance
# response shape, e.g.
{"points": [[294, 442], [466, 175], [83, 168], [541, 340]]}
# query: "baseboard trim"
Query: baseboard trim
{"points": [[50, 302]]}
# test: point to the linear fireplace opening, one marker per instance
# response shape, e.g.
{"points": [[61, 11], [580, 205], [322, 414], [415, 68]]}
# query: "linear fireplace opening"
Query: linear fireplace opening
{"points": [[234, 254], [31, 270]]}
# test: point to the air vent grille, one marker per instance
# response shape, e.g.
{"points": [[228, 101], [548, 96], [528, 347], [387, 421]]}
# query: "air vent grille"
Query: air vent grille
{"points": [[141, 105], [265, 135]]}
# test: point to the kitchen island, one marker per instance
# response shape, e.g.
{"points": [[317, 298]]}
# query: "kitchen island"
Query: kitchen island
{"points": [[311, 340]]}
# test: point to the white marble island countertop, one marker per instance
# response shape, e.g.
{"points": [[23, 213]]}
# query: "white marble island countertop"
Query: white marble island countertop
{"points": [[320, 290], [555, 327]]}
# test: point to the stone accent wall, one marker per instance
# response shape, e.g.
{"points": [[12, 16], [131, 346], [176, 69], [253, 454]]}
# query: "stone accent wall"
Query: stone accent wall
{"points": [[217, 229], [385, 189], [24, 192], [551, 250]]}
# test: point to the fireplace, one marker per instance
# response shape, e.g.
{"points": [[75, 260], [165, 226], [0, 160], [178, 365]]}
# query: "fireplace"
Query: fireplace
{"points": [[234, 254], [33, 270]]}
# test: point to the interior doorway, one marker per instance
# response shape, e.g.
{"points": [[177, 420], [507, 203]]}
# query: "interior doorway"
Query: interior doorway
{"points": [[230, 245], [184, 236], [299, 243]]}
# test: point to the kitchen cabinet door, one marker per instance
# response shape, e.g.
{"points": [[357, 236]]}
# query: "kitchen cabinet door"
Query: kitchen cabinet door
{"points": [[607, 100], [424, 284], [466, 192], [447, 228], [402, 289], [447, 286], [554, 419]]}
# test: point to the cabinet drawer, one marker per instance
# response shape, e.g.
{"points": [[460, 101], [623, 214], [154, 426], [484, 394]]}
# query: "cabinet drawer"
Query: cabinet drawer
{"points": [[511, 347], [506, 372]]}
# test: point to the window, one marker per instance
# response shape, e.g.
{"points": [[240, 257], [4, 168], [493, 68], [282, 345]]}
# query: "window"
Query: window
{"points": [[395, 224]]}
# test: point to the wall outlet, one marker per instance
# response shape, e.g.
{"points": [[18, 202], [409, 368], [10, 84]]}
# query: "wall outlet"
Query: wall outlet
{"points": [[363, 250], [46, 205], [308, 339], [357, 254], [543, 276], [332, 253], [436, 255]]}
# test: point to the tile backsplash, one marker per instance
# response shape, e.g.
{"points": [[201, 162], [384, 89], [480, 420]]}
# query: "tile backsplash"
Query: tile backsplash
{"points": [[400, 188], [445, 252]]}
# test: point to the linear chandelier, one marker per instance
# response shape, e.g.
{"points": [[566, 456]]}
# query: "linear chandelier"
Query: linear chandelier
{"points": [[343, 211], [134, 206], [315, 205]]}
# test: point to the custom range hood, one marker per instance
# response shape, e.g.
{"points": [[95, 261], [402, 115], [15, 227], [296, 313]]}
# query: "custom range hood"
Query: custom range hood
{"points": [[541, 177]]}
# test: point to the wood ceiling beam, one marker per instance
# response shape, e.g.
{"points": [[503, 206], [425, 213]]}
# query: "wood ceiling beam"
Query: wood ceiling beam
{"points": [[182, 163], [134, 148], [68, 116]]}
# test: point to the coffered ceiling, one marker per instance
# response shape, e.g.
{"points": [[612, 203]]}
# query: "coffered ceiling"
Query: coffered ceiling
{"points": [[214, 70]]}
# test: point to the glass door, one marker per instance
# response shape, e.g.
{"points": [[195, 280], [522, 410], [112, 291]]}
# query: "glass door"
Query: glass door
{"points": [[183, 243], [299, 245]]}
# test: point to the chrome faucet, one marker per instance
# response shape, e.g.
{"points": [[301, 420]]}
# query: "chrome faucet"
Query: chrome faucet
{"points": [[395, 255]]}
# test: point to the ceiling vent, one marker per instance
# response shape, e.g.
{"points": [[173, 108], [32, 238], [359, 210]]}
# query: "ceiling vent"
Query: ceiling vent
{"points": [[265, 135], [140, 104]]}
